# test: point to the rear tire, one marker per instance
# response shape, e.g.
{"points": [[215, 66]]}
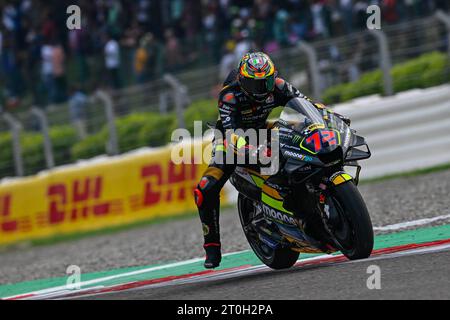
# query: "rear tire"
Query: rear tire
{"points": [[357, 216], [279, 258]]}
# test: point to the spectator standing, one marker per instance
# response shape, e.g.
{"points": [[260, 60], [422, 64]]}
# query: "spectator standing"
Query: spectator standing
{"points": [[143, 10], [79, 45], [141, 59], [172, 50], [47, 71], [33, 57], [113, 17], [389, 10], [360, 18], [411, 8], [58, 59], [336, 23], [228, 61], [346, 9], [112, 62], [319, 15], [243, 44], [11, 54], [78, 102], [1, 47], [49, 30], [210, 26], [280, 27]]}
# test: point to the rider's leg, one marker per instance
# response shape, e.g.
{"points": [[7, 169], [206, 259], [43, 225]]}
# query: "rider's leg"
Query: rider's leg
{"points": [[207, 198]]}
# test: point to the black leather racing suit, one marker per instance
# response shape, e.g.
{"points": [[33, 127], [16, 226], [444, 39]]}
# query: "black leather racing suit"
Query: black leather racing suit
{"points": [[236, 111]]}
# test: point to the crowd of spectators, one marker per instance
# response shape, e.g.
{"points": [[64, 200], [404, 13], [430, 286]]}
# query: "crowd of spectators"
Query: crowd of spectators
{"points": [[124, 42]]}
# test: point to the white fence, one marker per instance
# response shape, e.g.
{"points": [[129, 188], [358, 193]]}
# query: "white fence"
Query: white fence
{"points": [[405, 132]]}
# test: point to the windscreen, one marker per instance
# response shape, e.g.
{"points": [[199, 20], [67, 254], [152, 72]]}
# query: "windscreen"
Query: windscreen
{"points": [[299, 113]]}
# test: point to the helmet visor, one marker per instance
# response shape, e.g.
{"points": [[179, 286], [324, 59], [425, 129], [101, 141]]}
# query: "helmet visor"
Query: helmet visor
{"points": [[258, 86]]}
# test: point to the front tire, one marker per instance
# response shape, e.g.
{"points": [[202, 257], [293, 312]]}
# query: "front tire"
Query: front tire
{"points": [[279, 258], [353, 212]]}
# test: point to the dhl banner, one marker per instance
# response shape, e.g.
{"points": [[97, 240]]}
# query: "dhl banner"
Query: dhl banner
{"points": [[99, 194]]}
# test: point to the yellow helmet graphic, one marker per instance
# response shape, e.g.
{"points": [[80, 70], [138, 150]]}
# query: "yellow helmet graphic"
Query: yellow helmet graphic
{"points": [[257, 75]]}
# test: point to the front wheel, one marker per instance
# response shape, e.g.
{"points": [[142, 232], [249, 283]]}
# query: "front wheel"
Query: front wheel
{"points": [[353, 228], [278, 258]]}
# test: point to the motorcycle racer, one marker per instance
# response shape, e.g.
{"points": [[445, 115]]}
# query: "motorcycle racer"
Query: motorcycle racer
{"points": [[249, 94]]}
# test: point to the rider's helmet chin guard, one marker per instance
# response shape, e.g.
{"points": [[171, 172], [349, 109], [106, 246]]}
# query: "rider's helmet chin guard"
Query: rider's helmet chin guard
{"points": [[257, 76]]}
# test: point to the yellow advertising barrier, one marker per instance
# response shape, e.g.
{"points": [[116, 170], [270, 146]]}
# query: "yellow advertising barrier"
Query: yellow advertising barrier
{"points": [[117, 191]]}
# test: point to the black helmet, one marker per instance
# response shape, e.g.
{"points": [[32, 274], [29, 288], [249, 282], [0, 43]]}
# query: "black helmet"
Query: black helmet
{"points": [[257, 75]]}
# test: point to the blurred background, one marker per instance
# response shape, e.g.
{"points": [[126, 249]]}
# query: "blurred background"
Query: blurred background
{"points": [[138, 69], [86, 116]]}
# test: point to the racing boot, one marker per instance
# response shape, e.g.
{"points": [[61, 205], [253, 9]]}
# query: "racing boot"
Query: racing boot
{"points": [[213, 255], [207, 196]]}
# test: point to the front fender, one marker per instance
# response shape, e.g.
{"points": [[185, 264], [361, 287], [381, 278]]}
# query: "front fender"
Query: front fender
{"points": [[340, 177]]}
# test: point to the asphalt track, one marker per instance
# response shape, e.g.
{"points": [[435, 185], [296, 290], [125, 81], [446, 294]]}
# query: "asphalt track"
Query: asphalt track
{"points": [[421, 274], [139, 263]]}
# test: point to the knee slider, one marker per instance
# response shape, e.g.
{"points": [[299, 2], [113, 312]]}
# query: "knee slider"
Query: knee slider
{"points": [[198, 196], [205, 185]]}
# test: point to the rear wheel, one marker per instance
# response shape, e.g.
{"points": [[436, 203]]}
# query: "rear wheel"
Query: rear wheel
{"points": [[279, 258], [351, 225]]}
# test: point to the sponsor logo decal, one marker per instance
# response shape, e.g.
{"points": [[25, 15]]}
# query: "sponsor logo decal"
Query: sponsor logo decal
{"points": [[277, 215], [296, 138], [205, 229], [311, 128], [297, 155]]}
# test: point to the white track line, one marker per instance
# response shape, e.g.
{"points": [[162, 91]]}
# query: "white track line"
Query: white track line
{"points": [[61, 293], [411, 252], [262, 268], [122, 275], [392, 227], [419, 222]]}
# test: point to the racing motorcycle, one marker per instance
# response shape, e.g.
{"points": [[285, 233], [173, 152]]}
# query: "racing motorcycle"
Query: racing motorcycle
{"points": [[311, 204]]}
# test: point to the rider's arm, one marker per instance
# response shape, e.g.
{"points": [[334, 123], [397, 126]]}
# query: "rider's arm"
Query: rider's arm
{"points": [[289, 92], [231, 120], [228, 111]]}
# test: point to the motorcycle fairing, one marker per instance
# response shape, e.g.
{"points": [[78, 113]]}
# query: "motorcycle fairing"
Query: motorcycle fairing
{"points": [[314, 142], [251, 176], [271, 204], [306, 135], [355, 153]]}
